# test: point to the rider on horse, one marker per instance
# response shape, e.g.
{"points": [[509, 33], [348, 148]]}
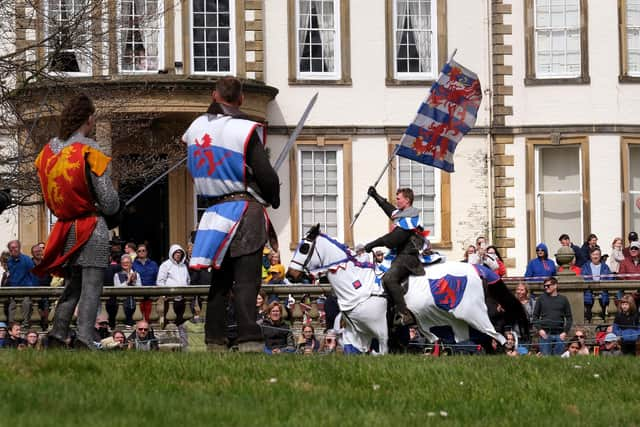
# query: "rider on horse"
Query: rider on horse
{"points": [[406, 240]]}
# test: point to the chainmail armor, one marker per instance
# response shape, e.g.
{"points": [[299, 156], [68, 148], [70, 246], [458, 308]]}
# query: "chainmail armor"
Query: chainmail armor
{"points": [[95, 253]]}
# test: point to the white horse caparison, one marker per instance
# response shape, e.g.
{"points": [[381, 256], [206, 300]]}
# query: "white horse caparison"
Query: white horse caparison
{"points": [[361, 302]]}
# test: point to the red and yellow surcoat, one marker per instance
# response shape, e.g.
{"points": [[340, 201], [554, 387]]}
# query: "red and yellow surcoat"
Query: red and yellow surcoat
{"points": [[67, 193]]}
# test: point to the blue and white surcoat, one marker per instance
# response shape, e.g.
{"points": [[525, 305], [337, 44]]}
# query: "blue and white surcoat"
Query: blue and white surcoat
{"points": [[217, 150]]}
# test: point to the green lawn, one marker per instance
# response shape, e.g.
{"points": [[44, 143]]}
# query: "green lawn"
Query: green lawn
{"points": [[174, 389]]}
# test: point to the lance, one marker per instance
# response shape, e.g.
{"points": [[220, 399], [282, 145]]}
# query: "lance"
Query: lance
{"points": [[279, 161]]}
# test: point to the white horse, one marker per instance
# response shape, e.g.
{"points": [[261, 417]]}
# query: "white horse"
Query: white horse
{"points": [[449, 294]]}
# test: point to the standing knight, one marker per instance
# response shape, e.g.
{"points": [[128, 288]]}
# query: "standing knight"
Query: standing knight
{"points": [[231, 170], [76, 184]]}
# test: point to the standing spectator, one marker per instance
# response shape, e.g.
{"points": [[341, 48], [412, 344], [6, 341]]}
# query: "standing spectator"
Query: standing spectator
{"points": [[552, 317], [595, 269], [278, 337], [565, 240], [14, 340], [471, 250], [148, 271], [626, 324], [630, 266], [19, 266], [127, 277], [541, 266], [130, 249], [631, 237], [528, 303], [589, 244], [493, 254], [3, 333], [378, 256], [44, 279], [572, 266], [174, 272], [112, 269], [617, 255], [4, 268], [143, 339]]}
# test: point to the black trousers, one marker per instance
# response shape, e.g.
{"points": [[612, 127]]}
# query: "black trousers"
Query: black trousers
{"points": [[401, 268], [242, 275]]}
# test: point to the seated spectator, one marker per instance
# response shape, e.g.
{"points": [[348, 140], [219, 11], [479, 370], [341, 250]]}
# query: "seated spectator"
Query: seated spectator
{"points": [[127, 277], [262, 307], [573, 348], [417, 343], [626, 324], [541, 266], [117, 341], [611, 347], [581, 335], [143, 339], [14, 339], [308, 343], [329, 343], [3, 333], [174, 272], [511, 346], [33, 340], [275, 273], [277, 334]]}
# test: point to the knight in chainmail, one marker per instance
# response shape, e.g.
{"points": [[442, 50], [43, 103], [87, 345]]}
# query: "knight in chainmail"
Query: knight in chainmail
{"points": [[78, 246]]}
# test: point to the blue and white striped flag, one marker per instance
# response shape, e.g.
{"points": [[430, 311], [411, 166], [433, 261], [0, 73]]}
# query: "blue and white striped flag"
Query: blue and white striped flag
{"points": [[448, 113]]}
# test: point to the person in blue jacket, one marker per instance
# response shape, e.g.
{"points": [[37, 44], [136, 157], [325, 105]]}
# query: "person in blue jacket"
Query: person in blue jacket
{"points": [[541, 266], [595, 269]]}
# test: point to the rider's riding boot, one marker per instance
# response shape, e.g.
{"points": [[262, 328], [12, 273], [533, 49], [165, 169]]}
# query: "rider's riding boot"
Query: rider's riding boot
{"points": [[406, 317]]}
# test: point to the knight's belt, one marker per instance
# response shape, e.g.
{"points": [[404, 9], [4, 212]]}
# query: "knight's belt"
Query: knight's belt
{"points": [[233, 197]]}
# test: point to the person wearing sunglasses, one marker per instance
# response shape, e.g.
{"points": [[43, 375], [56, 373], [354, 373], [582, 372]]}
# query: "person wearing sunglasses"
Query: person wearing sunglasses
{"points": [[143, 339], [552, 318], [581, 335]]}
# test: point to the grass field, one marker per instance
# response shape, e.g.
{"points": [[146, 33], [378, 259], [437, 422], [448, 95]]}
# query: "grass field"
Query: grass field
{"points": [[173, 389]]}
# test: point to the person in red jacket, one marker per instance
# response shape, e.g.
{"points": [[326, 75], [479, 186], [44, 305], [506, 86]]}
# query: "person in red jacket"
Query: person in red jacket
{"points": [[630, 267]]}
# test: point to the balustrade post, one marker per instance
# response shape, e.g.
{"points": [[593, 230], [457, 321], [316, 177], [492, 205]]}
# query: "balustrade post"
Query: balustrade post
{"points": [[3, 304], [154, 315], [170, 317], [137, 314]]}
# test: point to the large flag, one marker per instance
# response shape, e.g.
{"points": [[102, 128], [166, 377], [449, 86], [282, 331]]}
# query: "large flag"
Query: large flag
{"points": [[448, 113]]}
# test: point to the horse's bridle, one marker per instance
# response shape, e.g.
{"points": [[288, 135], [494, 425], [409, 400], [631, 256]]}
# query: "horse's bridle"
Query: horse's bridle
{"points": [[307, 247]]}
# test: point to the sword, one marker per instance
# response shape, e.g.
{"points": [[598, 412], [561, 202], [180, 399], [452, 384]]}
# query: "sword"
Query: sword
{"points": [[294, 134], [276, 165]]}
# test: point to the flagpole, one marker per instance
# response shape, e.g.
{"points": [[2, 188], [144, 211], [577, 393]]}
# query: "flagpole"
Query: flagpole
{"points": [[375, 184], [452, 55]]}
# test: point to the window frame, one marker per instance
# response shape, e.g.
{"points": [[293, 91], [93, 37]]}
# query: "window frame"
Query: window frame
{"points": [[532, 146], [342, 59], [440, 57], [531, 79], [443, 193], [45, 34], [161, 41], [233, 59], [626, 143], [345, 182], [624, 76]]}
